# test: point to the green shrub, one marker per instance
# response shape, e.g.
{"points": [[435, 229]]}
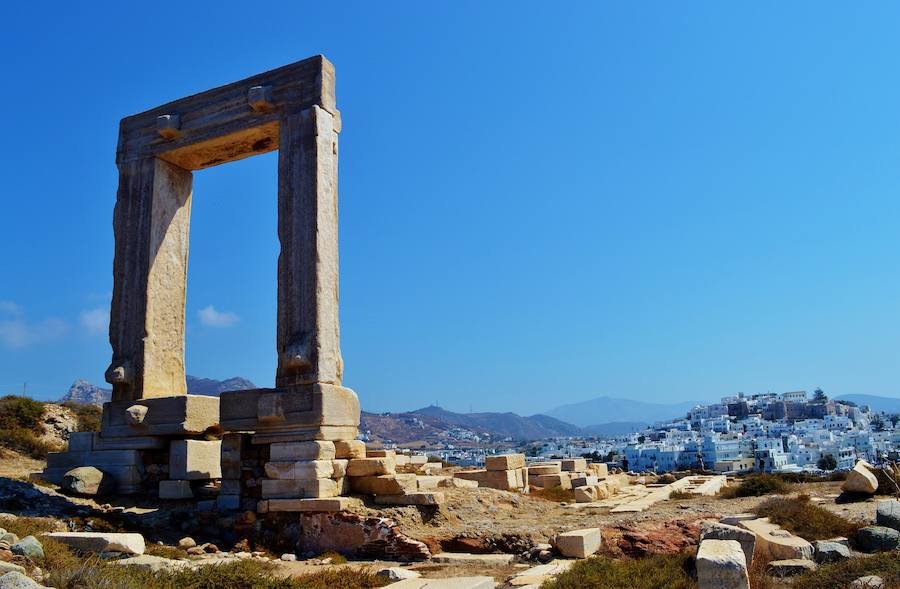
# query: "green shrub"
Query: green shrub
{"points": [[20, 413], [840, 575], [805, 519], [26, 442], [88, 416], [658, 572], [758, 485]]}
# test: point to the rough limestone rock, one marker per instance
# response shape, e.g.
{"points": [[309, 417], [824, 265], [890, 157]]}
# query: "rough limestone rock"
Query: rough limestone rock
{"points": [[888, 514], [861, 479], [397, 573], [579, 543], [128, 543], [449, 583], [154, 564], [721, 564], [88, 481], [8, 567], [877, 539], [187, 542], [868, 582], [717, 531], [775, 543], [829, 552], [29, 547], [16, 580], [790, 567]]}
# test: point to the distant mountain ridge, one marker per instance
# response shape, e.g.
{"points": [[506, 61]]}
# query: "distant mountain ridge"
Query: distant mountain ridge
{"points": [[875, 402], [430, 423], [606, 410], [86, 393]]}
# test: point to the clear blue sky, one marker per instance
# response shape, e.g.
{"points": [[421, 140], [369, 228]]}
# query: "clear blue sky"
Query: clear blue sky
{"points": [[539, 205]]}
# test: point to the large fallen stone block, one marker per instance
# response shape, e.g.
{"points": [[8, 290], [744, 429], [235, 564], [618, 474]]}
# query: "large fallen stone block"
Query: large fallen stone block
{"points": [[129, 543], [719, 531], [366, 467], [775, 543], [195, 460], [300, 470], [721, 565], [294, 451], [456, 483], [390, 484], [309, 505], [504, 462], [349, 449], [888, 514], [616, 482], [298, 489], [489, 560], [549, 481], [544, 468], [861, 479], [579, 543], [574, 464]]}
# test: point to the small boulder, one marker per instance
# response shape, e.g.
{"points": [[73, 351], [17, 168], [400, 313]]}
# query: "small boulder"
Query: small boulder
{"points": [[397, 573], [877, 539], [790, 568], [868, 582], [721, 564], [186, 542], [127, 543], [6, 567], [888, 514], [829, 552], [88, 481], [17, 580], [861, 479], [289, 557], [154, 564], [28, 547], [196, 550], [9, 537]]}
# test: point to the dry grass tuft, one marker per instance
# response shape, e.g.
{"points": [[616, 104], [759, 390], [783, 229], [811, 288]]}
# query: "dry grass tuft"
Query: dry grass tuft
{"points": [[839, 575], [800, 516], [555, 494], [658, 572], [757, 485]]}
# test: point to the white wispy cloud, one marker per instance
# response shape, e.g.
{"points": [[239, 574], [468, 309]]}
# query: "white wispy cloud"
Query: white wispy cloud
{"points": [[10, 308], [16, 332], [95, 321], [210, 317]]}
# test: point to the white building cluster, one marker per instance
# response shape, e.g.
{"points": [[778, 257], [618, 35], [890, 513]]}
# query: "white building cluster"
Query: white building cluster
{"points": [[785, 432]]}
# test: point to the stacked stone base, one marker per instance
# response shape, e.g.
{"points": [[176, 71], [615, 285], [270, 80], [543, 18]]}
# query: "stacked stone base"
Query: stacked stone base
{"points": [[506, 472], [146, 442]]}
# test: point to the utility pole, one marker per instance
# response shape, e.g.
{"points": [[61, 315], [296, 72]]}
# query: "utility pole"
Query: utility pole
{"points": [[24, 389]]}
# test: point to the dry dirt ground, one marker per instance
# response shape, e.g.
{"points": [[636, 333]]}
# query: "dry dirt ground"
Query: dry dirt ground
{"points": [[488, 520]]}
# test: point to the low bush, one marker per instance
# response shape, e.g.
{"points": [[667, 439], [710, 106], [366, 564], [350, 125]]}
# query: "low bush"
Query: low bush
{"points": [[841, 574], [88, 416], [555, 494], [25, 442], [681, 495], [757, 485], [20, 413], [658, 572], [93, 572], [800, 516]]}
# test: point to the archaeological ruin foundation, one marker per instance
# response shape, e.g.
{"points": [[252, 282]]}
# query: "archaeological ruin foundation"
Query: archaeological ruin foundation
{"points": [[154, 433]]}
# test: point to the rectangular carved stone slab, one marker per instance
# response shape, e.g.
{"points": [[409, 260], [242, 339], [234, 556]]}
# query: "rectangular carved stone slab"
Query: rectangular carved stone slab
{"points": [[283, 411], [166, 416]]}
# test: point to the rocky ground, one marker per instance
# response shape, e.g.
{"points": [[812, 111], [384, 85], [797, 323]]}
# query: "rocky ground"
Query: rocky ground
{"points": [[473, 521]]}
